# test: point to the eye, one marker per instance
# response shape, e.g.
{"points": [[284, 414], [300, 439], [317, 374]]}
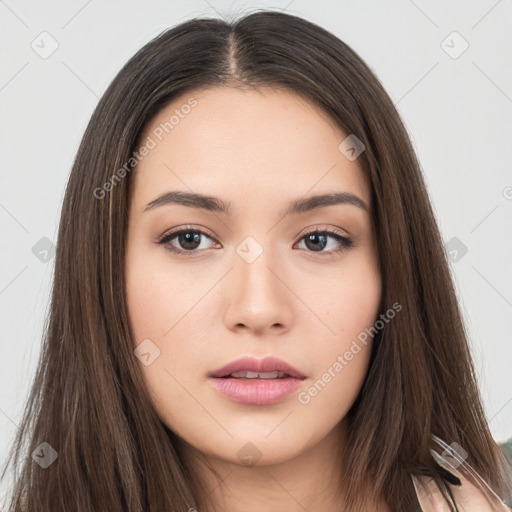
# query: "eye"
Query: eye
{"points": [[189, 240], [317, 240]]}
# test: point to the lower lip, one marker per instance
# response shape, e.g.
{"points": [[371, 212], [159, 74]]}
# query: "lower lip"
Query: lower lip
{"points": [[256, 391]]}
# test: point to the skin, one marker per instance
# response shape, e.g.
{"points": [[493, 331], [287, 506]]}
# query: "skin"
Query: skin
{"points": [[257, 149]]}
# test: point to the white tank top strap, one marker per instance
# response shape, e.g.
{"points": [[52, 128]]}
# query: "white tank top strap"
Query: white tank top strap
{"points": [[472, 495]]}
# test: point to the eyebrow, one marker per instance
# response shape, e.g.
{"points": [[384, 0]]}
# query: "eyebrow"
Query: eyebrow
{"points": [[217, 205]]}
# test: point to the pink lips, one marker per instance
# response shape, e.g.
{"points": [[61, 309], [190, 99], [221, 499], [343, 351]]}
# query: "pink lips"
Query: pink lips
{"points": [[256, 391], [268, 364]]}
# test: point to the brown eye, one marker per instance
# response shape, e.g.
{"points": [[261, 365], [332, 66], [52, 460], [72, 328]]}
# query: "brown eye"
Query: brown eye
{"points": [[188, 241], [317, 241]]}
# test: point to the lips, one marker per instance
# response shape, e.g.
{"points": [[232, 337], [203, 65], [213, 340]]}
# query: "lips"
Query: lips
{"points": [[253, 365], [252, 381]]}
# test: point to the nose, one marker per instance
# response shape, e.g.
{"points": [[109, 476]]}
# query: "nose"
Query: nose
{"points": [[260, 297]]}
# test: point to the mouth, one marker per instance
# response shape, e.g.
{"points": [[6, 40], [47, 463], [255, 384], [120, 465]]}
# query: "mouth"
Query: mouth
{"points": [[248, 375], [256, 382], [253, 368]]}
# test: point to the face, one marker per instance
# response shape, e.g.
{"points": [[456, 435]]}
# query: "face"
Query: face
{"points": [[208, 285]]}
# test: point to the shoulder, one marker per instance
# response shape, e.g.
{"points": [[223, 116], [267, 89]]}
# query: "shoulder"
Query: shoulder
{"points": [[465, 497]]}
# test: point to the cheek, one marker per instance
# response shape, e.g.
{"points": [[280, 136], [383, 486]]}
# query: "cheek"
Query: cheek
{"points": [[342, 354], [346, 300], [163, 310], [355, 306], [159, 296]]}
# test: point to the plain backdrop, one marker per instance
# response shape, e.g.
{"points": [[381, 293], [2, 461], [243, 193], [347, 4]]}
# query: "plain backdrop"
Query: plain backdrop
{"points": [[447, 65]]}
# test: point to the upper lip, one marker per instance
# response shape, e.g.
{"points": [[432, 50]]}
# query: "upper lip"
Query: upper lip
{"points": [[267, 364]]}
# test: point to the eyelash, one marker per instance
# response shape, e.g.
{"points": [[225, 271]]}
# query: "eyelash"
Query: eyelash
{"points": [[345, 242]]}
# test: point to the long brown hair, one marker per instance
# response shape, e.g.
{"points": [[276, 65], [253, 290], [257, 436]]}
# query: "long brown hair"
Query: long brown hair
{"points": [[88, 400]]}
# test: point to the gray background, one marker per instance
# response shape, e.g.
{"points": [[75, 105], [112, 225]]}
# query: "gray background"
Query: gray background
{"points": [[456, 106]]}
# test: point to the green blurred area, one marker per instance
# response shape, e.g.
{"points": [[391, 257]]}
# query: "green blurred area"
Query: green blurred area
{"points": [[507, 449]]}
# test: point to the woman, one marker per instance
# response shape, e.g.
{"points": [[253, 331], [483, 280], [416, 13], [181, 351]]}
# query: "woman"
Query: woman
{"points": [[252, 305]]}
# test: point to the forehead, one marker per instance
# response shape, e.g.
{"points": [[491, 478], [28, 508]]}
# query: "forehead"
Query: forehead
{"points": [[257, 145]]}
